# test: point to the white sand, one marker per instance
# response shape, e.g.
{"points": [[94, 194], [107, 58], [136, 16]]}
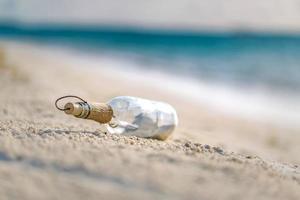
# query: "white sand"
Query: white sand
{"points": [[45, 154]]}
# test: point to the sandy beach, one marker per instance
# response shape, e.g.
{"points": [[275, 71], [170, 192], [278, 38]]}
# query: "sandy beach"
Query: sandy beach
{"points": [[45, 154]]}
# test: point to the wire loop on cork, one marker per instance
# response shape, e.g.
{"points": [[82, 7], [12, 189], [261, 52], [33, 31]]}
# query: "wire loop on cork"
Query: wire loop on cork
{"points": [[64, 97], [100, 112]]}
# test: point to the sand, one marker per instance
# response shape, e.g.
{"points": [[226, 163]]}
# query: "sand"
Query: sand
{"points": [[45, 154]]}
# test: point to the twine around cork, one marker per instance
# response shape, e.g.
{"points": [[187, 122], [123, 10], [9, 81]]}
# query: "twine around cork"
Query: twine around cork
{"points": [[99, 112]]}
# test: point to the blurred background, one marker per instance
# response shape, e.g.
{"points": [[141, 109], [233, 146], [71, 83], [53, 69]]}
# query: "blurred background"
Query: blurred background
{"points": [[230, 68], [245, 55]]}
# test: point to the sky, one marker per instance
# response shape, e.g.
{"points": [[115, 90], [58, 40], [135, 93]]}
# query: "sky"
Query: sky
{"points": [[257, 15]]}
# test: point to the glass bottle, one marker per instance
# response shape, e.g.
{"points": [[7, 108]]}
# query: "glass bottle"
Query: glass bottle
{"points": [[128, 115]]}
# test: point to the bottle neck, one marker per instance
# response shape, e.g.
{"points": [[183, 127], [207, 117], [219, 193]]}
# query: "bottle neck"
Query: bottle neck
{"points": [[99, 112]]}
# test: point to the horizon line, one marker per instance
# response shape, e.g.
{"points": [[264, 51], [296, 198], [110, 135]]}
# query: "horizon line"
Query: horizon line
{"points": [[102, 28]]}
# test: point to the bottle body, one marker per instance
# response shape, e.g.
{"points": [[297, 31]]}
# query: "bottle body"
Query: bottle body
{"points": [[141, 117]]}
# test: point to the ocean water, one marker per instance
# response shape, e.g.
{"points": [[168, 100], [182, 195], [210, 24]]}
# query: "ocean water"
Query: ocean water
{"points": [[245, 60], [262, 71]]}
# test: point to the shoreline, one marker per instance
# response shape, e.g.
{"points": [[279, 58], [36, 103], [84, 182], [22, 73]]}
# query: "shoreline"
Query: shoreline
{"points": [[256, 104]]}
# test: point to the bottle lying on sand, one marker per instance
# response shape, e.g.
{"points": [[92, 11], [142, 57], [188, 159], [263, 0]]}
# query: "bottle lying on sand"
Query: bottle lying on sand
{"points": [[128, 116]]}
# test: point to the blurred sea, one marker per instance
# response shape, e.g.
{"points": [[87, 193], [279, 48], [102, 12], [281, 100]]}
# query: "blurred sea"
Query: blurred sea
{"points": [[245, 60], [269, 63]]}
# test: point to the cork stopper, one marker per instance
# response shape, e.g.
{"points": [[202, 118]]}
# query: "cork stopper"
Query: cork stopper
{"points": [[99, 112], [73, 109]]}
